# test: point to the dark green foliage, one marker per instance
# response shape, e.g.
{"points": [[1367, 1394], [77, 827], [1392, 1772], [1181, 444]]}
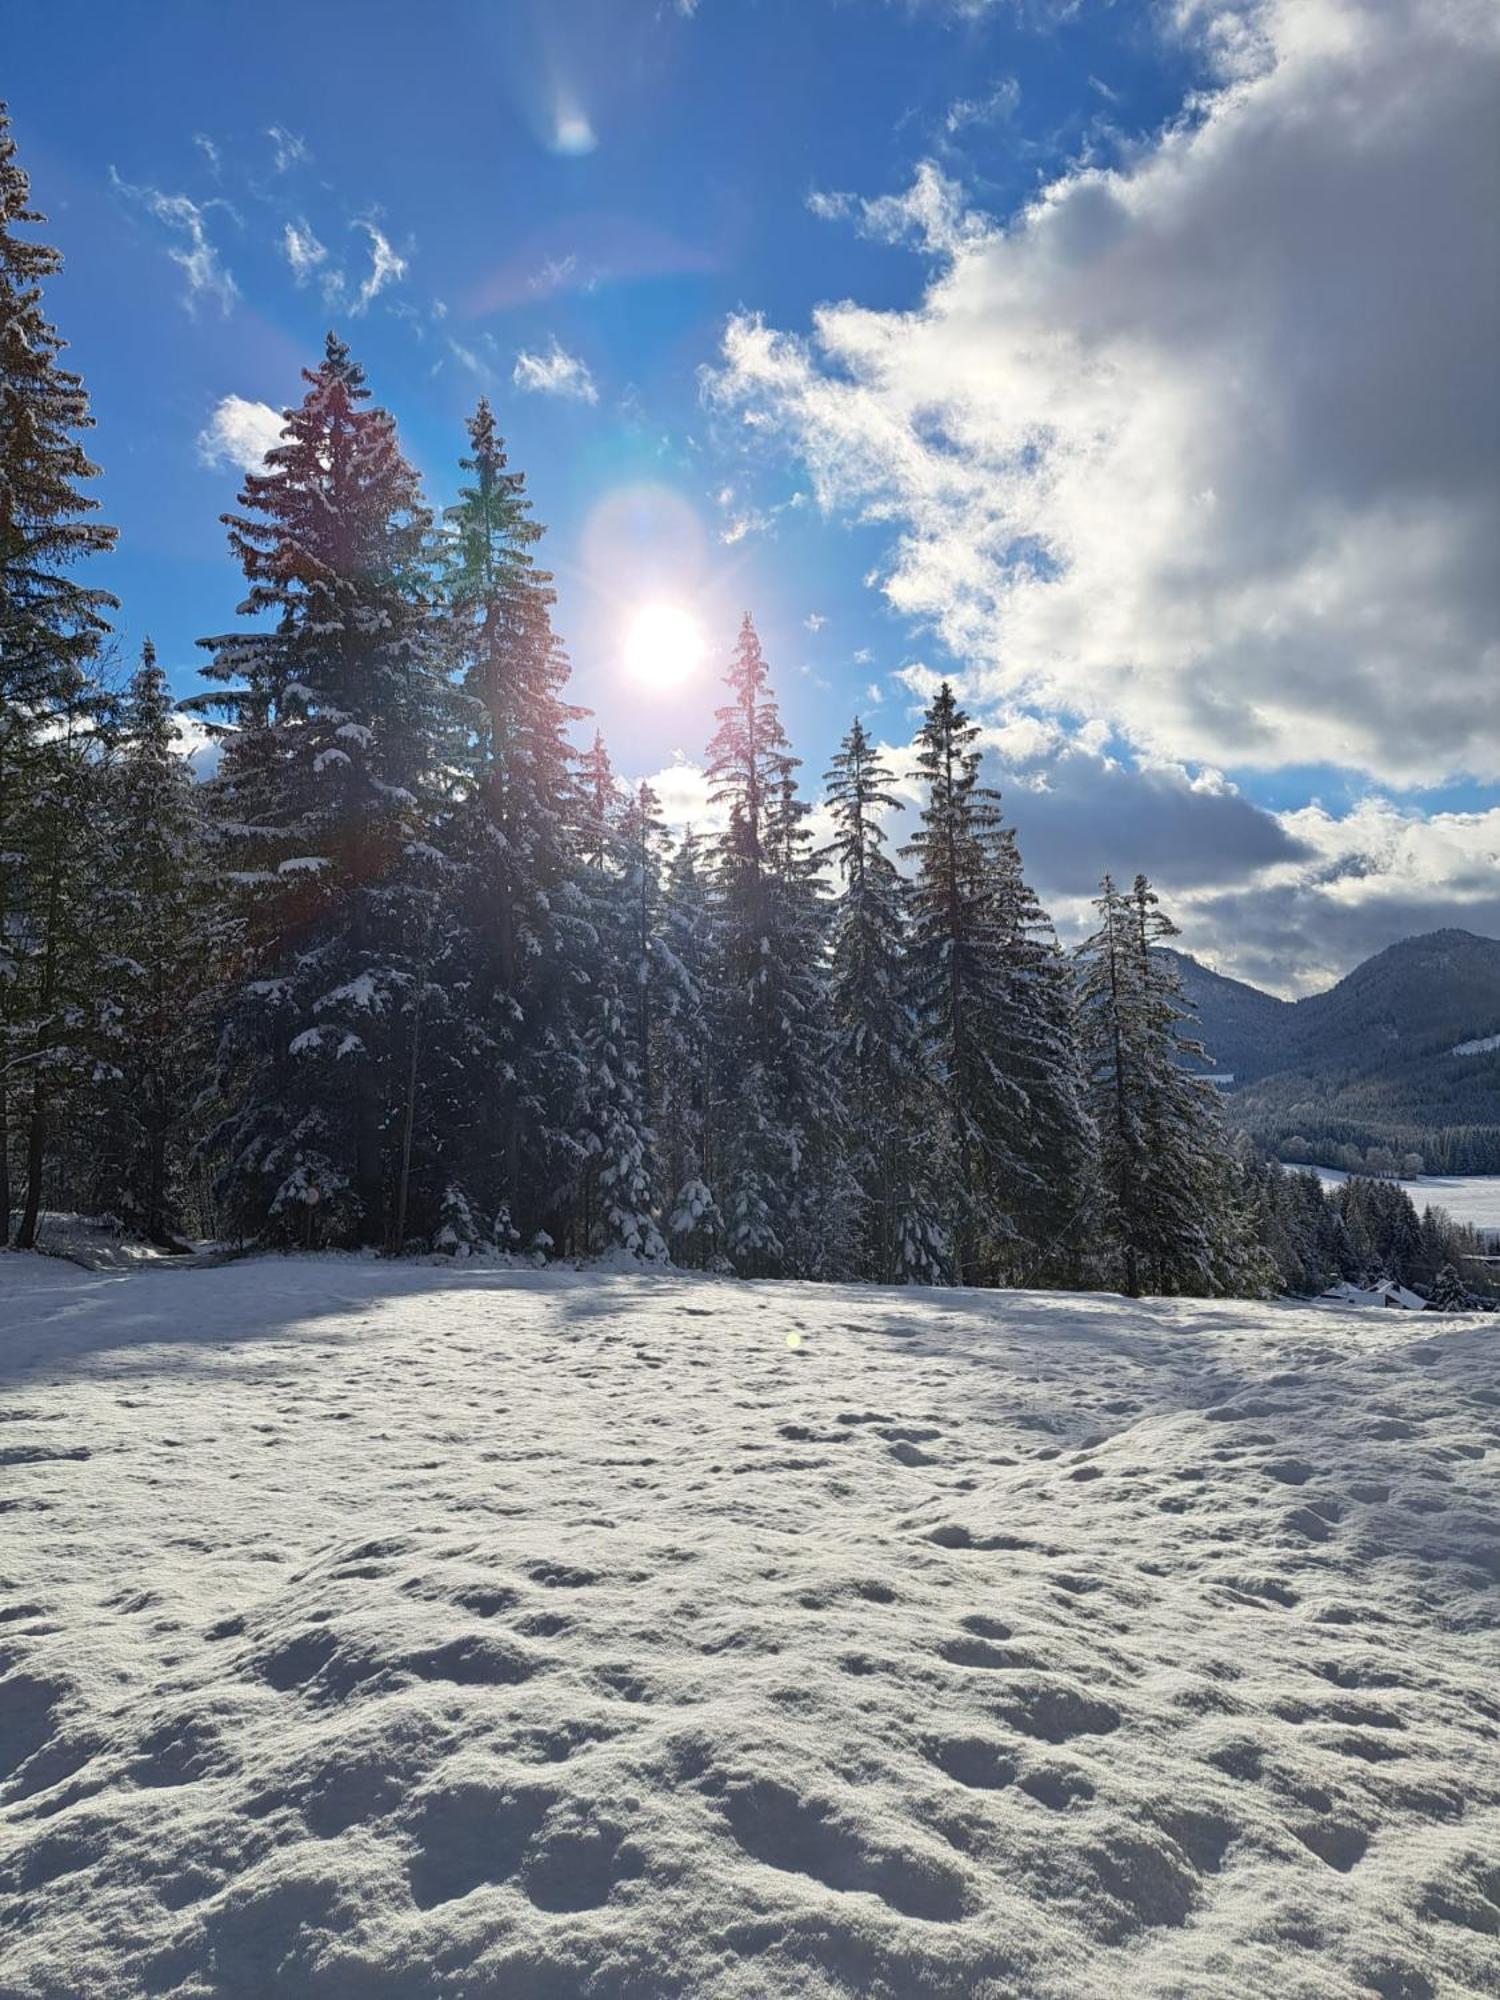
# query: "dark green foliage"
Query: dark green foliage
{"points": [[159, 942], [1175, 1214], [52, 715], [330, 782], [993, 997], [890, 1088]]}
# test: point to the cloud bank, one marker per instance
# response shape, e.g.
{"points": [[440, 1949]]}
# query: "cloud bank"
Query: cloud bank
{"points": [[1203, 445]]}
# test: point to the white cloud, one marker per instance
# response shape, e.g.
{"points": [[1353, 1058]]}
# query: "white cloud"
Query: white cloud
{"points": [[288, 149], [998, 104], [239, 432], [815, 621], [923, 682], [386, 268], [743, 518], [481, 360], [932, 211], [555, 373], [1204, 444], [303, 250], [189, 245], [682, 787], [210, 152]]}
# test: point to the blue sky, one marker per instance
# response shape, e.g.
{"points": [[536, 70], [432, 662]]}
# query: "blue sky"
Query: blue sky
{"points": [[624, 220]]}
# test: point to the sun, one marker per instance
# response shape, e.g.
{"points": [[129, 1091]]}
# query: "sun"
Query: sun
{"points": [[664, 646]]}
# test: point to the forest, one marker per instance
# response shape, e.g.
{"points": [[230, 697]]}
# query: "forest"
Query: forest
{"points": [[412, 969]]}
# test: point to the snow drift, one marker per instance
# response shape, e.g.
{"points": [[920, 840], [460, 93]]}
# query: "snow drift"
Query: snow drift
{"points": [[395, 1632]]}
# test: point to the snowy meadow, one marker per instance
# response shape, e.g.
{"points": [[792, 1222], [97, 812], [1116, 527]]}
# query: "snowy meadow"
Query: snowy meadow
{"points": [[389, 1630]]}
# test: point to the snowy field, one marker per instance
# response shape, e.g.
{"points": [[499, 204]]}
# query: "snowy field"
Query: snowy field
{"points": [[1471, 1198], [377, 1634]]}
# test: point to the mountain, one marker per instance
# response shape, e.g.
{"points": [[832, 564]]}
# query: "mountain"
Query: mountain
{"points": [[1241, 1027], [1370, 1063]]}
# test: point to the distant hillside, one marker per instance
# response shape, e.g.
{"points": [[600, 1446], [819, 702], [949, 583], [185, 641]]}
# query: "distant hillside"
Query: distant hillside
{"points": [[1369, 1063], [1241, 1028]]}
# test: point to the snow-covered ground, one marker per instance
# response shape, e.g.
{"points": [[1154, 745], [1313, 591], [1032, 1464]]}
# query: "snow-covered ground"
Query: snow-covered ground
{"points": [[1471, 1198], [380, 1633]]}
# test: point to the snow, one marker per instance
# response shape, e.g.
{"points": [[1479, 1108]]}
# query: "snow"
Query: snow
{"points": [[1480, 1047], [1471, 1198], [402, 1631]]}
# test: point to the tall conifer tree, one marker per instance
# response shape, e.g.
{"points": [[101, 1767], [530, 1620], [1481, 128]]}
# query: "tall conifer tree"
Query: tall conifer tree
{"points": [[330, 782], [1175, 1215], [519, 927], [50, 628], [777, 1142], [156, 912], [888, 1085]]}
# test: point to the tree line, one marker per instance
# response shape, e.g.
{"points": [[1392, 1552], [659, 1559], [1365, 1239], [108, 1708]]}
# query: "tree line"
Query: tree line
{"points": [[412, 970]]}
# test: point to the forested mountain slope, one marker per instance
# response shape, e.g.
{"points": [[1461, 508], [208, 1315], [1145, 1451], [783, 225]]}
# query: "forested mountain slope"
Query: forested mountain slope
{"points": [[1371, 1062]]}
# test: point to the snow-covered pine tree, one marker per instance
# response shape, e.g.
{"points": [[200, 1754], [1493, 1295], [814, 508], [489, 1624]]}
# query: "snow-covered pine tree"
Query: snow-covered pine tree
{"points": [[338, 744], [682, 1060], [516, 930], [158, 969], [50, 709], [613, 1192], [1201, 1234], [653, 976], [888, 1085], [778, 1126], [1113, 1021], [1176, 1214], [1051, 1193], [990, 992], [1449, 1292]]}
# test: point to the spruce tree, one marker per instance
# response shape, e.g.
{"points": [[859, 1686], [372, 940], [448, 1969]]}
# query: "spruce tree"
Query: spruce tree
{"points": [[614, 1188], [332, 776], [991, 993], [1176, 1216], [51, 712], [682, 1057], [888, 1085], [519, 931], [159, 967], [1449, 1293], [778, 1129]]}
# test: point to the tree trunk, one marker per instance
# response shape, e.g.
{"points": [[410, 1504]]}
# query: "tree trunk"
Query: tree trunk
{"points": [[36, 1157], [4, 1160]]}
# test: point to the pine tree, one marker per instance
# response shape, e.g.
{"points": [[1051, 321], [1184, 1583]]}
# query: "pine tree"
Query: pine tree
{"points": [[778, 1131], [652, 976], [330, 783], [51, 712], [990, 990], [519, 931], [682, 1060], [613, 1196], [155, 911], [1449, 1293], [888, 1085], [1115, 1030], [1177, 1215]]}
